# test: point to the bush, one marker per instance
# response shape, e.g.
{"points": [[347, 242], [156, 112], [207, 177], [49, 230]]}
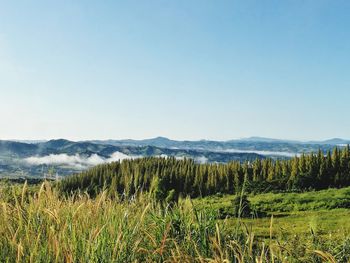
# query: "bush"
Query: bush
{"points": [[241, 206]]}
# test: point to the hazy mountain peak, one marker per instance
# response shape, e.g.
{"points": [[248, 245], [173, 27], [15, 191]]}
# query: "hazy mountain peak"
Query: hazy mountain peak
{"points": [[56, 143], [334, 141], [161, 138], [263, 139]]}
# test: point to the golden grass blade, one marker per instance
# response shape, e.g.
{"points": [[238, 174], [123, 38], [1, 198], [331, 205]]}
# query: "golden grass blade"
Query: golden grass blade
{"points": [[326, 257]]}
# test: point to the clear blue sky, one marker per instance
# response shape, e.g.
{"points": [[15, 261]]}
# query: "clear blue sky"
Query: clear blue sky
{"points": [[181, 69]]}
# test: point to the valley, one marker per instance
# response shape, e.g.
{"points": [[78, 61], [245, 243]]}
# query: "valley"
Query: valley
{"points": [[59, 158]]}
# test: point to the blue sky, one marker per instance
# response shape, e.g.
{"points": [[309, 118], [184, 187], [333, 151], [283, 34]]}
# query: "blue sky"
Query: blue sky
{"points": [[181, 69]]}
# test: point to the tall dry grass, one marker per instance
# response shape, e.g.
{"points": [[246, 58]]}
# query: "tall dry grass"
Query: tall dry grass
{"points": [[45, 227]]}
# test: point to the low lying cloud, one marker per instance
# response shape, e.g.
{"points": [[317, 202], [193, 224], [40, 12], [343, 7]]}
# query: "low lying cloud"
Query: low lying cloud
{"points": [[76, 161], [201, 159], [80, 162]]}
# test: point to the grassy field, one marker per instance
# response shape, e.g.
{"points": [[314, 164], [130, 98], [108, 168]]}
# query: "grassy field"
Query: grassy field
{"points": [[273, 203], [38, 225], [323, 212], [294, 220], [334, 223]]}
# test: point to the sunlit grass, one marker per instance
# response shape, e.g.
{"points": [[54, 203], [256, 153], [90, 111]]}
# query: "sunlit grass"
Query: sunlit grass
{"points": [[37, 225]]}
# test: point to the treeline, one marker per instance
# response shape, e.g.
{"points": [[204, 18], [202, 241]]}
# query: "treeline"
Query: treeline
{"points": [[169, 177]]}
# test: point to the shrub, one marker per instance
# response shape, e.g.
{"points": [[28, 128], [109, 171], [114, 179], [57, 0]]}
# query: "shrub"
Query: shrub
{"points": [[241, 206]]}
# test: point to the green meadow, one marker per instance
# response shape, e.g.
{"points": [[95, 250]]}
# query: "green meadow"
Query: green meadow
{"points": [[325, 213]]}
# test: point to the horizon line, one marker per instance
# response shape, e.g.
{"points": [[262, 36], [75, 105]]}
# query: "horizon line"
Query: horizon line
{"points": [[252, 138]]}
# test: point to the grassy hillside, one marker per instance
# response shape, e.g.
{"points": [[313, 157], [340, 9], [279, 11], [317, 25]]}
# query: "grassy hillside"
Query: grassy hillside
{"points": [[37, 225], [279, 203], [323, 212]]}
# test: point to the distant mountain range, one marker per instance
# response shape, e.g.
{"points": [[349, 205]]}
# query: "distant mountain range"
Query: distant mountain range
{"points": [[334, 141], [44, 158], [251, 144], [166, 142]]}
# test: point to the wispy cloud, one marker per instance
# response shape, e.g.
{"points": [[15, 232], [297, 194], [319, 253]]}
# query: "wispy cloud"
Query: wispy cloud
{"points": [[76, 161]]}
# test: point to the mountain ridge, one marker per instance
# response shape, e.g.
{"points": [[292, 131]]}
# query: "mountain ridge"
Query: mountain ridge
{"points": [[164, 140]]}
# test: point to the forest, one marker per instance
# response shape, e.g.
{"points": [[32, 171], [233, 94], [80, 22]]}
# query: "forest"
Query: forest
{"points": [[170, 177]]}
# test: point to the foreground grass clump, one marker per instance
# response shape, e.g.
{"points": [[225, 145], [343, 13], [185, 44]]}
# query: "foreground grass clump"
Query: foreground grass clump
{"points": [[41, 226]]}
